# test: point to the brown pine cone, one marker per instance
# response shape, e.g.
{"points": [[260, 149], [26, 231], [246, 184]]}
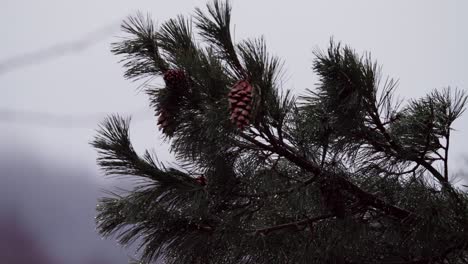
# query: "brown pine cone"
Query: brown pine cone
{"points": [[177, 84], [201, 180], [164, 121], [240, 103], [176, 79]]}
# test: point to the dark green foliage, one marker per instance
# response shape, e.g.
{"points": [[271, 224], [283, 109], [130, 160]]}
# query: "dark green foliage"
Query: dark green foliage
{"points": [[423, 122], [215, 27], [347, 86], [141, 53], [343, 174]]}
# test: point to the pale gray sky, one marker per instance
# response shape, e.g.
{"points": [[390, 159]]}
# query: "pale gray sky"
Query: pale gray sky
{"points": [[420, 42]]}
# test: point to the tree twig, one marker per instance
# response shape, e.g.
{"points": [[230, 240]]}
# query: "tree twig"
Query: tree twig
{"points": [[295, 224]]}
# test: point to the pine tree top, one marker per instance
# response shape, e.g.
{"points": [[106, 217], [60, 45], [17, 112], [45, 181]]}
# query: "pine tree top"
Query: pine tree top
{"points": [[342, 174]]}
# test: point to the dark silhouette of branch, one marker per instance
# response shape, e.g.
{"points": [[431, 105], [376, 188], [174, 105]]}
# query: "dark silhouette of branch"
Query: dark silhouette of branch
{"points": [[292, 224]]}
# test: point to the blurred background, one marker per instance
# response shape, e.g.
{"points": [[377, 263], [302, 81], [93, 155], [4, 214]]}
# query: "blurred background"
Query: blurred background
{"points": [[58, 80]]}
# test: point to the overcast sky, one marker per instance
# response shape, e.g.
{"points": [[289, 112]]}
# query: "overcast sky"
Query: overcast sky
{"points": [[51, 108]]}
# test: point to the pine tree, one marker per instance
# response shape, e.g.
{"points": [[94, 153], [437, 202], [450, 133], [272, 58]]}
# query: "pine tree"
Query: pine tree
{"points": [[341, 174]]}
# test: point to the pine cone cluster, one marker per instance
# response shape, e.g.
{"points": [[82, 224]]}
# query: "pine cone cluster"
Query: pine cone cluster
{"points": [[240, 103], [177, 85]]}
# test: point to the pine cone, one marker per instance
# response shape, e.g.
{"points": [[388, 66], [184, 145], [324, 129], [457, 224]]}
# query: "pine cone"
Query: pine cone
{"points": [[201, 180], [165, 121], [333, 197], [176, 79], [240, 103], [177, 84]]}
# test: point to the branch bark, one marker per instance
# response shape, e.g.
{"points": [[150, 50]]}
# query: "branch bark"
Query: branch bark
{"points": [[307, 221], [365, 197]]}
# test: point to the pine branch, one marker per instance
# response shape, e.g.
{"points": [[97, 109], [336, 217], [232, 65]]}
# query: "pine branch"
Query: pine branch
{"points": [[347, 147], [140, 49], [175, 38], [349, 85], [117, 156], [296, 224], [144, 216], [215, 28], [365, 197]]}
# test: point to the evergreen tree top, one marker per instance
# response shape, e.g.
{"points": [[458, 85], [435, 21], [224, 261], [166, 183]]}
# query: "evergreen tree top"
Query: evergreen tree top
{"points": [[342, 174]]}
